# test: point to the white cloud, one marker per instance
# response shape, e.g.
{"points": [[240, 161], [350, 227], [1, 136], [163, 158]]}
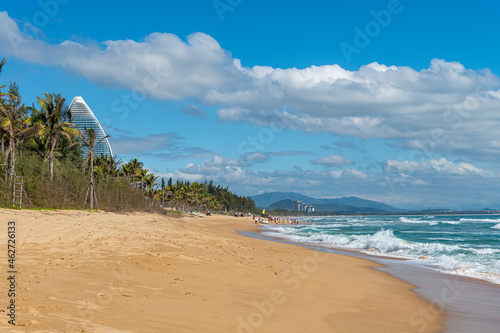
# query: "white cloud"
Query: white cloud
{"points": [[165, 146], [432, 183], [256, 157], [441, 166], [441, 109], [331, 161], [153, 142], [161, 66], [348, 173]]}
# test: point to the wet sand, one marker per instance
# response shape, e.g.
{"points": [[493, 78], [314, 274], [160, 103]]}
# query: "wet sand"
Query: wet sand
{"points": [[468, 305]]}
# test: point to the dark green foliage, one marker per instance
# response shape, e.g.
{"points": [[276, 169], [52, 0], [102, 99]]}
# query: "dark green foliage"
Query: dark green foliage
{"points": [[223, 199]]}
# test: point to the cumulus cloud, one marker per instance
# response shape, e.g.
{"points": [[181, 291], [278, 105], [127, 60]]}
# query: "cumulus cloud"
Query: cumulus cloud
{"points": [[161, 65], [407, 184], [194, 110], [331, 161], [259, 157], [165, 146], [445, 108], [256, 157], [441, 166], [153, 142]]}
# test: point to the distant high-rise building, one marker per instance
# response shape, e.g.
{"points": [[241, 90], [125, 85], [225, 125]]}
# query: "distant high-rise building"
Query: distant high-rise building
{"points": [[84, 117], [302, 207]]}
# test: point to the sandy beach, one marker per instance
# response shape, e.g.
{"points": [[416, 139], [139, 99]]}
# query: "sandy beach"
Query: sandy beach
{"points": [[102, 272]]}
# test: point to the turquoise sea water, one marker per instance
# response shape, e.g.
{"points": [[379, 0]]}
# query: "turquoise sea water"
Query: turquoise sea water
{"points": [[462, 245]]}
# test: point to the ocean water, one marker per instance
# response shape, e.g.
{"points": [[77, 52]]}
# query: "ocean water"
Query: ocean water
{"points": [[461, 245]]}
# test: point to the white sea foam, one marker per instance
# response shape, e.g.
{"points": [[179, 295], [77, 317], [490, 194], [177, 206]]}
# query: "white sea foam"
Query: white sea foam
{"points": [[446, 258], [449, 222], [486, 251], [427, 221], [479, 220], [410, 220], [478, 260], [382, 241], [456, 266]]}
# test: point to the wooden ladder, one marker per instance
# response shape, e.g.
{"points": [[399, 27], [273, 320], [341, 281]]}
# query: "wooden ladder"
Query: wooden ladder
{"points": [[17, 193]]}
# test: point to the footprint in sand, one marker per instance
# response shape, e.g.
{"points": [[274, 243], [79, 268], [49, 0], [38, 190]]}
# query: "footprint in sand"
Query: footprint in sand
{"points": [[33, 311]]}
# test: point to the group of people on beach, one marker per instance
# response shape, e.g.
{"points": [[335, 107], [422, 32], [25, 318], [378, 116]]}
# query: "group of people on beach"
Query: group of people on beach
{"points": [[276, 220]]}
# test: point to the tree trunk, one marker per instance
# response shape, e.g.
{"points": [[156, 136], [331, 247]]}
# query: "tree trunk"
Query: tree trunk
{"points": [[51, 166], [91, 181], [10, 162], [51, 159], [7, 167]]}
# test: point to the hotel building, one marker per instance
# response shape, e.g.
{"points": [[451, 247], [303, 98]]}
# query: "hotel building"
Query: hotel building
{"points": [[83, 117]]}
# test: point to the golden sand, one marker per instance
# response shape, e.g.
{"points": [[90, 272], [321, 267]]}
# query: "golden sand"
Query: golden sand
{"points": [[104, 272]]}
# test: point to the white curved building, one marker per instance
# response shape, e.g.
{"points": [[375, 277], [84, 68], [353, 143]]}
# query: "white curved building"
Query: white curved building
{"points": [[84, 117]]}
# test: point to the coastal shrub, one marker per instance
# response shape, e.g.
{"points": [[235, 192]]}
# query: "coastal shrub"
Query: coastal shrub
{"points": [[69, 187]]}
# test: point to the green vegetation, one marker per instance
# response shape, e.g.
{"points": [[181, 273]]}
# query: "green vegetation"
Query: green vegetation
{"points": [[41, 146]]}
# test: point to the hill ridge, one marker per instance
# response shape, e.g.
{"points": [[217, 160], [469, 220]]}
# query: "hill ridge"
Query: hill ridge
{"points": [[275, 199]]}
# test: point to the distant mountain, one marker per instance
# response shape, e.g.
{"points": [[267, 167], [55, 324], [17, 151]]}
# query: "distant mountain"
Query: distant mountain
{"points": [[285, 200], [329, 207], [358, 202], [338, 208], [267, 199], [282, 204]]}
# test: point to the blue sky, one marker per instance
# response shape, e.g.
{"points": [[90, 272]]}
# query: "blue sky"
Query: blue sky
{"points": [[396, 101]]}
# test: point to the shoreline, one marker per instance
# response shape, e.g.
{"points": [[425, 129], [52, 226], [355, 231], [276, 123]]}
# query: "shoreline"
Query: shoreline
{"points": [[391, 214], [467, 303], [103, 272]]}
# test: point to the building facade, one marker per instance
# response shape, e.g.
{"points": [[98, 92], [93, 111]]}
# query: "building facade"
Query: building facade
{"points": [[83, 117], [302, 207]]}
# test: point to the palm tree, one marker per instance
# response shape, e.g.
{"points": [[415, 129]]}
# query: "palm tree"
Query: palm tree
{"points": [[2, 63], [1, 66], [131, 169], [150, 182], [90, 141], [140, 176], [14, 125], [112, 163], [126, 171], [171, 194], [54, 119], [108, 165], [15, 129]]}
